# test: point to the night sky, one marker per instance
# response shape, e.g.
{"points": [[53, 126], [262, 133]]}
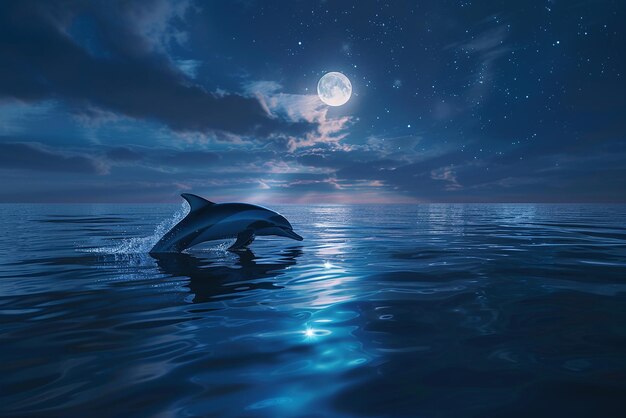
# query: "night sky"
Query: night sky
{"points": [[469, 101]]}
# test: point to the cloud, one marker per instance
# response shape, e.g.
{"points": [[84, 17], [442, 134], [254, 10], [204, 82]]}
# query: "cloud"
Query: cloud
{"points": [[122, 28], [299, 108], [123, 154], [36, 157], [403, 147], [121, 66], [486, 48], [189, 67], [311, 175], [328, 183], [189, 159], [446, 174]]}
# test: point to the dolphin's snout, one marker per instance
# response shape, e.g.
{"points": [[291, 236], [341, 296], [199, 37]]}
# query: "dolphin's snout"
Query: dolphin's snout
{"points": [[290, 234]]}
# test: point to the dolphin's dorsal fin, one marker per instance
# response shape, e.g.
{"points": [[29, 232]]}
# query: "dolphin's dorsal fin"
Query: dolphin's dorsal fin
{"points": [[196, 202]]}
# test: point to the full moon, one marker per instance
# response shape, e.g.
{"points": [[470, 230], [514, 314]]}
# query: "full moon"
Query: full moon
{"points": [[334, 89]]}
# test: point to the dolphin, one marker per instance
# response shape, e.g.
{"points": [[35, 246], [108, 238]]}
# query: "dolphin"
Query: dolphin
{"points": [[208, 221]]}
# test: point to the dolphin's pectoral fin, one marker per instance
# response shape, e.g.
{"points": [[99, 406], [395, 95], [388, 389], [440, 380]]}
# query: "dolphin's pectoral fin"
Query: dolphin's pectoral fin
{"points": [[244, 239]]}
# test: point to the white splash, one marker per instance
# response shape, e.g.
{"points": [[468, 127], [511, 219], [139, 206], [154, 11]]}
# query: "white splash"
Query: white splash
{"points": [[142, 245]]}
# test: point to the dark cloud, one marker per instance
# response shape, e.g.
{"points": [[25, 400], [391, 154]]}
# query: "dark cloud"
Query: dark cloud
{"points": [[158, 157], [189, 159], [35, 157], [491, 102], [117, 65], [161, 174], [351, 161], [532, 173], [123, 154]]}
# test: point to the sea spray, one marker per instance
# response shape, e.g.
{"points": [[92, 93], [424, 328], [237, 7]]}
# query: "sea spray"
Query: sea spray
{"points": [[142, 245]]}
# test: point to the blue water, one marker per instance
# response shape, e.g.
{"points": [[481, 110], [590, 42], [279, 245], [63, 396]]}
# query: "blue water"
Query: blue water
{"points": [[382, 311]]}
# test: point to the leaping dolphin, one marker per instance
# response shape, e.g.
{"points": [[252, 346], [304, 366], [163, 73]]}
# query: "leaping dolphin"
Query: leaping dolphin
{"points": [[208, 221]]}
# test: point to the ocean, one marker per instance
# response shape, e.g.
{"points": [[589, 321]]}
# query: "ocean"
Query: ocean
{"points": [[434, 310]]}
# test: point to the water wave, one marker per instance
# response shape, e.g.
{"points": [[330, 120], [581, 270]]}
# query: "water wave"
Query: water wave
{"points": [[427, 310]]}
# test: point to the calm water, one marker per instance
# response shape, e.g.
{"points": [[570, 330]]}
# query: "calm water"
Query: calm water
{"points": [[404, 311]]}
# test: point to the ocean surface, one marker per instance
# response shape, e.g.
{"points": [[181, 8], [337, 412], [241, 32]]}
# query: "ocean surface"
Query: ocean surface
{"points": [[511, 310]]}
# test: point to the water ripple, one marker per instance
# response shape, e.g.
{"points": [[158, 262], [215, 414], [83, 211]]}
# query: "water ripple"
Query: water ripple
{"points": [[429, 310]]}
